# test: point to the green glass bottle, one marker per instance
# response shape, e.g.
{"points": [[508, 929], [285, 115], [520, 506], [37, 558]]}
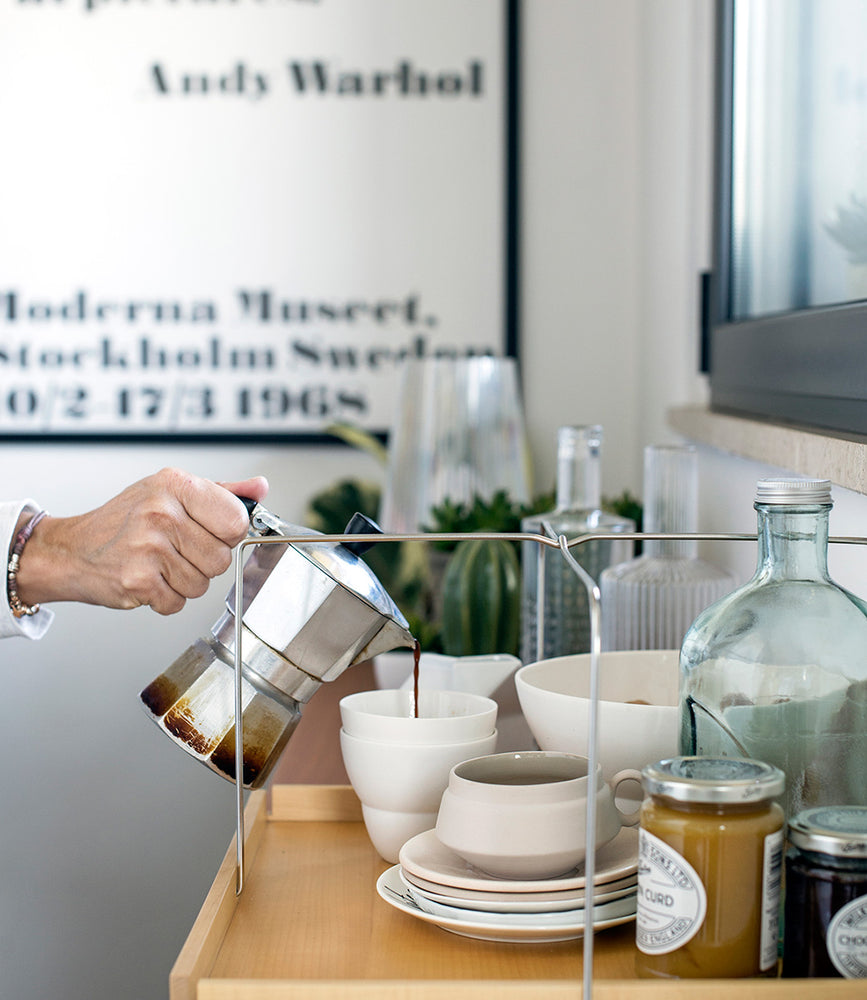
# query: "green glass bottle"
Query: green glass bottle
{"points": [[777, 670]]}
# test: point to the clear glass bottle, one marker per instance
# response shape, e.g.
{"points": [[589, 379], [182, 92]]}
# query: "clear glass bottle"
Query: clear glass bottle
{"points": [[650, 601], [777, 670], [577, 511]]}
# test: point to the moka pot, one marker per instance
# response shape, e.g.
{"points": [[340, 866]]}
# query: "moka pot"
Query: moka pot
{"points": [[310, 610]]}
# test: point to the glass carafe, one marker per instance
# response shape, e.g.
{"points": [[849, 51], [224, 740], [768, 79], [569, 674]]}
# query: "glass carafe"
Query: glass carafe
{"points": [[578, 511], [777, 670], [651, 601]]}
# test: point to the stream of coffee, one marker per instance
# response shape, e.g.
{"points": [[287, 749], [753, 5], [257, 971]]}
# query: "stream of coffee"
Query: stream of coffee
{"points": [[416, 656]]}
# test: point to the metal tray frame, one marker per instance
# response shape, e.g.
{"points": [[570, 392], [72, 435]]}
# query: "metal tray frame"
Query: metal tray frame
{"points": [[548, 541]]}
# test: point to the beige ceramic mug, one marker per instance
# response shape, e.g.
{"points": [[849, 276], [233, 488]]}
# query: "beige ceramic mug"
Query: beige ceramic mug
{"points": [[523, 815]]}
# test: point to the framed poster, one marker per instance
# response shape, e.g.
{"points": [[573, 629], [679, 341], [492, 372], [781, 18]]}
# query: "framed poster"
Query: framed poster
{"points": [[232, 219]]}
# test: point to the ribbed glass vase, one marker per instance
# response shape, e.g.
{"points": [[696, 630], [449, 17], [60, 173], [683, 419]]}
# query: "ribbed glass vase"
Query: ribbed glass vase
{"points": [[651, 601]]}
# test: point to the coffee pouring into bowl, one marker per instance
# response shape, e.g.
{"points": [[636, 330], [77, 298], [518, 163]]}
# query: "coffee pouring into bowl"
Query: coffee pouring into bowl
{"points": [[309, 610]]}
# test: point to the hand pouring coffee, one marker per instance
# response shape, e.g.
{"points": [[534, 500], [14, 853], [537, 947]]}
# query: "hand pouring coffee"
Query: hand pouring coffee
{"points": [[310, 610]]}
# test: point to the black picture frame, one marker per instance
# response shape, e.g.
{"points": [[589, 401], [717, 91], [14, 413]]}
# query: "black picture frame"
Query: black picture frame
{"points": [[805, 367]]}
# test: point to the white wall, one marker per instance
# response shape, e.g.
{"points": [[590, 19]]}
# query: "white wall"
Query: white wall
{"points": [[615, 161], [581, 227], [111, 835]]}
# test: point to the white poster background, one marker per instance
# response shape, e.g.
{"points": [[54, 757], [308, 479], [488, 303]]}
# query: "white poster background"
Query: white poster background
{"points": [[165, 176]]}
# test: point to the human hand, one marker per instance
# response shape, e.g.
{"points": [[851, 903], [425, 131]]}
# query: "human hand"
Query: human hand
{"points": [[157, 543]]}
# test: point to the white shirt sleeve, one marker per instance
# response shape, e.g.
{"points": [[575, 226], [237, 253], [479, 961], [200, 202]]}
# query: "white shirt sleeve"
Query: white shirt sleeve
{"points": [[32, 626]]}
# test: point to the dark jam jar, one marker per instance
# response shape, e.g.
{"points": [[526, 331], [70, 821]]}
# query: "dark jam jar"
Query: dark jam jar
{"points": [[826, 894]]}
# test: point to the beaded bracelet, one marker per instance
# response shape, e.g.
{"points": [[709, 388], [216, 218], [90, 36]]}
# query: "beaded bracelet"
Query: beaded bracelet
{"points": [[18, 608]]}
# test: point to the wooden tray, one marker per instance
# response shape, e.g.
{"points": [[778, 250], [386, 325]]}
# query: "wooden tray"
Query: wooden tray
{"points": [[309, 924]]}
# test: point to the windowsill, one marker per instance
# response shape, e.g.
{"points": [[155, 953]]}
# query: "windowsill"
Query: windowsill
{"points": [[826, 454]]}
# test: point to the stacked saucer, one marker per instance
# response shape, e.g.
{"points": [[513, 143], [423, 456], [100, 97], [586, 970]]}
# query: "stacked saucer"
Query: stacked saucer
{"points": [[435, 884]]}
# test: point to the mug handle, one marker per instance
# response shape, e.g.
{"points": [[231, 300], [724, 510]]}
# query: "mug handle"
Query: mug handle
{"points": [[627, 774]]}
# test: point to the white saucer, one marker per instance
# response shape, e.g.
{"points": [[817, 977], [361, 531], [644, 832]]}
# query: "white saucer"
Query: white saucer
{"points": [[423, 856], [454, 892], [500, 926], [625, 906], [518, 902]]}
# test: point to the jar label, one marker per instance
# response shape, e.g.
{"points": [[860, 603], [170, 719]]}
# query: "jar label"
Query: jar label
{"points": [[672, 900], [772, 866], [846, 939]]}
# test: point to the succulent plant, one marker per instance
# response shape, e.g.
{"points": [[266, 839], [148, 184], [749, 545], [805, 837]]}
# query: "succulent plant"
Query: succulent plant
{"points": [[472, 606], [481, 599]]}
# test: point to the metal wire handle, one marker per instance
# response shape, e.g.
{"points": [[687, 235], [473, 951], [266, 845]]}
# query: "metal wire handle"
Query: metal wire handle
{"points": [[544, 542]]}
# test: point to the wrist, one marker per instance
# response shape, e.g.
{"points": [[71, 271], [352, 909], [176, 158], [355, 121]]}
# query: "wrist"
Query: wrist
{"points": [[50, 569], [19, 607]]}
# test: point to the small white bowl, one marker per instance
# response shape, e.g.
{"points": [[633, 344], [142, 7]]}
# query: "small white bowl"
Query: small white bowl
{"points": [[390, 829], [444, 716], [408, 777], [555, 699], [400, 785]]}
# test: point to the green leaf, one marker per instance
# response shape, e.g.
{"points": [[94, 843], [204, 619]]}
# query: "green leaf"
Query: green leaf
{"points": [[360, 439]]}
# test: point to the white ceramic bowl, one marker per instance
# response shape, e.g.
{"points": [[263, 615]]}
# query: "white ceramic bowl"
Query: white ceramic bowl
{"points": [[390, 829], [555, 699], [409, 777], [400, 785], [444, 716]]}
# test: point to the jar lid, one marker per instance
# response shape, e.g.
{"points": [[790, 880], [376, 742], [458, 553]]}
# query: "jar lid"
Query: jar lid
{"points": [[713, 780], [793, 491], [840, 831]]}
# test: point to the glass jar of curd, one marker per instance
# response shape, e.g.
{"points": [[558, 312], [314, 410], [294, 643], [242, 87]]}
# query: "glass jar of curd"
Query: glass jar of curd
{"points": [[709, 863]]}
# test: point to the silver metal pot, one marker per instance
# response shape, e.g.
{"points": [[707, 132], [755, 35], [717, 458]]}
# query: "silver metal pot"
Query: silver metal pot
{"points": [[310, 610]]}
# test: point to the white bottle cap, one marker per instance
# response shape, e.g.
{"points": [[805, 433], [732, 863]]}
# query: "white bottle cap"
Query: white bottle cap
{"points": [[793, 491]]}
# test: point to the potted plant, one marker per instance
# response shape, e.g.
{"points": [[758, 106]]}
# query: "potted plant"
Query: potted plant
{"points": [[460, 598]]}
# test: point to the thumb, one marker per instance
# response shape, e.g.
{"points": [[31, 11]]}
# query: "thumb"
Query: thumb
{"points": [[256, 488]]}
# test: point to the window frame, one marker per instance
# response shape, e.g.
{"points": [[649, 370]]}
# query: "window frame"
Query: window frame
{"points": [[804, 366]]}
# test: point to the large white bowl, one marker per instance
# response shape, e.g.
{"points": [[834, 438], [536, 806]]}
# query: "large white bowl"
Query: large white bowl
{"points": [[555, 699]]}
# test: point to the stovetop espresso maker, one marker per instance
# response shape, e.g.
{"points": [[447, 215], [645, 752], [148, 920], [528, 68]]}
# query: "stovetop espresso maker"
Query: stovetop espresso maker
{"points": [[310, 610]]}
